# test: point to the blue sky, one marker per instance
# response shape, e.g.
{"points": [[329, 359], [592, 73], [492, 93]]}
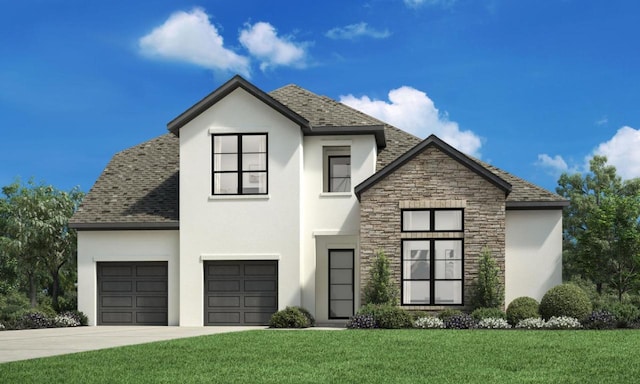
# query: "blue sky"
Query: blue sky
{"points": [[535, 87]]}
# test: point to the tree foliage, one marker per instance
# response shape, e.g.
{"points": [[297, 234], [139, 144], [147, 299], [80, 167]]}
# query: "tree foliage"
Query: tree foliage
{"points": [[35, 239], [602, 228], [380, 289], [489, 290]]}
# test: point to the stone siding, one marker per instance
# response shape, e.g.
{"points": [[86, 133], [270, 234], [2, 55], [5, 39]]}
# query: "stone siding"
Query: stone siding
{"points": [[432, 179]]}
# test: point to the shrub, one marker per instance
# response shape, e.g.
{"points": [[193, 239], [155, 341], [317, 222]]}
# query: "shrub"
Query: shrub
{"points": [[308, 315], [12, 306], [493, 323], [380, 289], [428, 322], [601, 319], [387, 316], [447, 313], [67, 302], [522, 308], [625, 314], [565, 300], [290, 317], [34, 320], [78, 316], [488, 290], [361, 321], [563, 322], [531, 323], [460, 321], [485, 313], [65, 321]]}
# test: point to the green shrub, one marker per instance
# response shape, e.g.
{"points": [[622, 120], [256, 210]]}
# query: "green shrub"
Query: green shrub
{"points": [[12, 306], [625, 314], [67, 302], [447, 313], [388, 316], [565, 300], [522, 308], [380, 289], [290, 317], [308, 315], [488, 313], [488, 289]]}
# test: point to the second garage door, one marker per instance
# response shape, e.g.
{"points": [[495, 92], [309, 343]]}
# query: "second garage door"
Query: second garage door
{"points": [[240, 292]]}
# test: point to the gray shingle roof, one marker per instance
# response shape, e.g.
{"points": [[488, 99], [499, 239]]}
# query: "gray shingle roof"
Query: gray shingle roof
{"points": [[139, 186]]}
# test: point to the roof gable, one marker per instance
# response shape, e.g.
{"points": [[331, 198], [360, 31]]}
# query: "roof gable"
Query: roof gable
{"points": [[444, 147], [236, 82]]}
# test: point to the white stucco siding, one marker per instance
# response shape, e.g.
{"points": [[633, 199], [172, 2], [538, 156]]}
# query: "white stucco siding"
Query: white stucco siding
{"points": [[110, 246], [329, 214], [533, 261], [239, 227]]}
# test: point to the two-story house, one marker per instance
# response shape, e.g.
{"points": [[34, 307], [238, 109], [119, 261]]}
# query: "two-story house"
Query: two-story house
{"points": [[256, 201]]}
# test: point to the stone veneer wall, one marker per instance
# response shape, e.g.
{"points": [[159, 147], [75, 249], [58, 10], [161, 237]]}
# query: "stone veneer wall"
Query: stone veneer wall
{"points": [[432, 179]]}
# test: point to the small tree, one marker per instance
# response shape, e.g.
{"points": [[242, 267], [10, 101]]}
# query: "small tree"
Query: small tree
{"points": [[489, 292], [380, 289]]}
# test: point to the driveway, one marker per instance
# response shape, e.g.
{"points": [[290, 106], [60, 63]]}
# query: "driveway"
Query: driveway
{"points": [[34, 343]]}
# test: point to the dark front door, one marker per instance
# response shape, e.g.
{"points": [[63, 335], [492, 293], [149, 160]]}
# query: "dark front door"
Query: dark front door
{"points": [[340, 283], [132, 293], [240, 292]]}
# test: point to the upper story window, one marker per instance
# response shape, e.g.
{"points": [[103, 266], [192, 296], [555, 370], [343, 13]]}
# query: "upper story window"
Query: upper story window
{"points": [[240, 164], [337, 169], [432, 220]]}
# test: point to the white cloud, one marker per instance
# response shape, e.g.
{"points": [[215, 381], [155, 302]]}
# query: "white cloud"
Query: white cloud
{"points": [[354, 31], [190, 37], [556, 164], [262, 41], [623, 152], [413, 111], [418, 3]]}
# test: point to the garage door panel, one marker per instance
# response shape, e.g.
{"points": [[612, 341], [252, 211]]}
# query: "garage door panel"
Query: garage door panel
{"points": [[116, 286], [224, 301], [260, 301], [117, 301], [224, 285], [259, 286], [240, 292], [132, 293]]}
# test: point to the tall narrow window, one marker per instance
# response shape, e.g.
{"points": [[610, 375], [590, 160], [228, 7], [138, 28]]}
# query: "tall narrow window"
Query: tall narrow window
{"points": [[240, 164]]}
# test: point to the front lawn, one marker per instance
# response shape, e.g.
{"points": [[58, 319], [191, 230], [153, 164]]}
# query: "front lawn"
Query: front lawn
{"points": [[356, 356]]}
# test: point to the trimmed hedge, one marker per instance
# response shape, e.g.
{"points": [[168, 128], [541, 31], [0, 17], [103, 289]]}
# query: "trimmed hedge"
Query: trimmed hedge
{"points": [[290, 317], [566, 300], [521, 308]]}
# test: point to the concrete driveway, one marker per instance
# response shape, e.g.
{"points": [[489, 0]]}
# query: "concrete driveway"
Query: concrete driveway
{"points": [[34, 343]]}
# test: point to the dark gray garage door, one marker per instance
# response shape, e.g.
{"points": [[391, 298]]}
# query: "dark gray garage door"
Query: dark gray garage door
{"points": [[132, 293], [240, 292]]}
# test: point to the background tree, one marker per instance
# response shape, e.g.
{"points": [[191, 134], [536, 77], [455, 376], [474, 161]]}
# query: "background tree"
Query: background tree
{"points": [[35, 237], [601, 227]]}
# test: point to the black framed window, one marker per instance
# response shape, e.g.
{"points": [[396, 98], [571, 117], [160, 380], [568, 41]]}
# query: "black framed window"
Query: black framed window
{"points": [[341, 277], [432, 220], [432, 272], [240, 164], [339, 173]]}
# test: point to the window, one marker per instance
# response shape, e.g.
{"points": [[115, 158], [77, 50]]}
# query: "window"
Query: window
{"points": [[432, 269], [337, 169], [432, 220], [432, 272], [239, 164]]}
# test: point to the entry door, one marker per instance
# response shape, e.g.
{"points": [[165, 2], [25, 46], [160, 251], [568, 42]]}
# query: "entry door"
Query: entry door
{"points": [[341, 283]]}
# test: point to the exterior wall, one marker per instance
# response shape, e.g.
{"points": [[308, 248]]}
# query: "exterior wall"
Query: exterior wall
{"points": [[533, 253], [100, 246], [432, 179], [239, 227], [326, 215]]}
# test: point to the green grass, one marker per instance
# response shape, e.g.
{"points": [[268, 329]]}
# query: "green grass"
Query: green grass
{"points": [[367, 356]]}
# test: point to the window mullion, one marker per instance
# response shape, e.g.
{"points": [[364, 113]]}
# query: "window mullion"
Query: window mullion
{"points": [[239, 149]]}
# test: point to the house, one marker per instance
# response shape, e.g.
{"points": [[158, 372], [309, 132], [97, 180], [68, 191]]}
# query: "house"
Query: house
{"points": [[256, 201]]}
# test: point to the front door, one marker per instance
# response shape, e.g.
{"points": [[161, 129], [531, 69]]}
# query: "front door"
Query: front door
{"points": [[341, 283]]}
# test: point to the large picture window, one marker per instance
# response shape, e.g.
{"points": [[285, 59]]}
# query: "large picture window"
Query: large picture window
{"points": [[240, 164], [432, 272]]}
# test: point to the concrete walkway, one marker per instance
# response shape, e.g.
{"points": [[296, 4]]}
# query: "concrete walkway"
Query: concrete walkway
{"points": [[34, 343]]}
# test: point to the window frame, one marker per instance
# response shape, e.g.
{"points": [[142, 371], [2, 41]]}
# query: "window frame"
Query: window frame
{"points": [[432, 220], [239, 171], [330, 173], [432, 273]]}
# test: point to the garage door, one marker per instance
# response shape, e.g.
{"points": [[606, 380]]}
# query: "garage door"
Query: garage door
{"points": [[132, 293], [240, 292]]}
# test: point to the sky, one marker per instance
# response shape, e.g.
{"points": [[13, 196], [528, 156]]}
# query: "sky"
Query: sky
{"points": [[535, 87]]}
